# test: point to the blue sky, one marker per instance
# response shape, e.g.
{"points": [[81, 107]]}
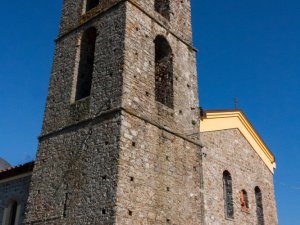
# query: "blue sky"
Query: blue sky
{"points": [[247, 49]]}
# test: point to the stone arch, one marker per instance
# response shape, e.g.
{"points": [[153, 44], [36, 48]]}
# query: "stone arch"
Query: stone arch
{"points": [[163, 72], [86, 64], [228, 199]]}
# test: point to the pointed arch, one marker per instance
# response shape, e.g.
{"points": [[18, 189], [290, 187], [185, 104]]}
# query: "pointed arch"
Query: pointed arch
{"points": [[259, 206], [228, 199], [163, 8], [163, 72], [86, 64]]}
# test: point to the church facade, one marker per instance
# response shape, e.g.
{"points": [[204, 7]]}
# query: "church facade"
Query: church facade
{"points": [[238, 170], [120, 142]]}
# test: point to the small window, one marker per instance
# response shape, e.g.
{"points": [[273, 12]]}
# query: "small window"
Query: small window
{"points": [[244, 201], [11, 214], [227, 185], [259, 207], [90, 4], [86, 64], [163, 72], [163, 8]]}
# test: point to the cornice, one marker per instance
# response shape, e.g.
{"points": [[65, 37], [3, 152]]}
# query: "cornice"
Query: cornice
{"points": [[235, 119]]}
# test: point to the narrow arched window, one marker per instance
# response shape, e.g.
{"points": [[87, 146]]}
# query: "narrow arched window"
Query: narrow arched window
{"points": [[259, 207], [13, 213], [91, 4], [244, 201], [163, 8], [163, 72], [86, 64], [227, 185]]}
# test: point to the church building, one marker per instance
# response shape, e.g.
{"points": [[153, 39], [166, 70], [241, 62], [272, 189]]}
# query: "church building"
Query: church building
{"points": [[123, 140], [238, 170]]}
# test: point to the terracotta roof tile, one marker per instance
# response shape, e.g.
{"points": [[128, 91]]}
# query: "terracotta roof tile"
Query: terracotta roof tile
{"points": [[17, 170]]}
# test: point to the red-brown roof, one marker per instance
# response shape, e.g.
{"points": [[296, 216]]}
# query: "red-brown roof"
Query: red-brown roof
{"points": [[17, 170]]}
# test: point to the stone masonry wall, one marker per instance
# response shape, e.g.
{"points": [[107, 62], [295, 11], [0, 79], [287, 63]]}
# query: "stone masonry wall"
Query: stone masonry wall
{"points": [[14, 190], [180, 17], [139, 75], [229, 150], [118, 156], [78, 149], [73, 15], [75, 176], [160, 178], [106, 91]]}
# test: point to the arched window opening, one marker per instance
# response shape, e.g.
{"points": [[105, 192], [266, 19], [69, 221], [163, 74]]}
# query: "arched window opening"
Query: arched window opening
{"points": [[86, 64], [227, 184], [244, 201], [163, 72], [163, 8], [259, 207], [11, 214], [91, 4]]}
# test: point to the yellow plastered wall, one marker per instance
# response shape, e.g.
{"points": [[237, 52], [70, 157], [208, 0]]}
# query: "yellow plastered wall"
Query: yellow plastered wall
{"points": [[223, 120]]}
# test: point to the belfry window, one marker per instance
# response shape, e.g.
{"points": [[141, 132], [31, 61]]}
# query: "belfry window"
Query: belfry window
{"points": [[244, 201], [227, 185], [163, 72], [259, 207], [163, 8], [91, 4], [86, 64]]}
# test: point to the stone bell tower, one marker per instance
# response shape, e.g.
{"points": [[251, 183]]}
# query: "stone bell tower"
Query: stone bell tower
{"points": [[120, 138]]}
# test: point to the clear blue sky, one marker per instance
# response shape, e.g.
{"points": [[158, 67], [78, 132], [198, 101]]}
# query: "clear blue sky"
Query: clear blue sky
{"points": [[247, 49]]}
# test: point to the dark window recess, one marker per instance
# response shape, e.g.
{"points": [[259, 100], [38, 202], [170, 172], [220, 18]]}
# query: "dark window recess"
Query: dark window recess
{"points": [[163, 8], [227, 184], [244, 201], [259, 207], [86, 64], [91, 4], [163, 72], [13, 213]]}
